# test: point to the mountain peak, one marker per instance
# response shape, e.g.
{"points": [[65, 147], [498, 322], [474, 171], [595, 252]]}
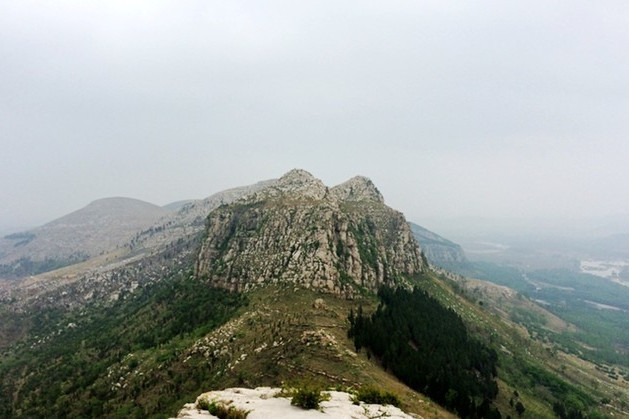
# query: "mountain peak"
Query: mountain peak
{"points": [[297, 174], [100, 226], [296, 231], [115, 202], [105, 210], [358, 188], [301, 182]]}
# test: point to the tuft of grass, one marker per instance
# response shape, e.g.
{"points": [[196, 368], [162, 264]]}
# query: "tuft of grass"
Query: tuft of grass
{"points": [[221, 411], [371, 395], [308, 397]]}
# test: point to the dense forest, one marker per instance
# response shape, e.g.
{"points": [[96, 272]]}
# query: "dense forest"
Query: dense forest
{"points": [[427, 346]]}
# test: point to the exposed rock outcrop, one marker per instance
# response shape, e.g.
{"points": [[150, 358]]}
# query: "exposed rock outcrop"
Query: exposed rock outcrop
{"points": [[338, 240], [358, 188], [299, 183], [265, 403]]}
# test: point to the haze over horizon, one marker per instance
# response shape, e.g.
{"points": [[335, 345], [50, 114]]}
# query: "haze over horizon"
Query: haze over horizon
{"points": [[453, 109]]}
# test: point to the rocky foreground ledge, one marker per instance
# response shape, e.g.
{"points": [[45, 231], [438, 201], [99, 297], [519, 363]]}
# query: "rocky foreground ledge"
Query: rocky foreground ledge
{"points": [[264, 403]]}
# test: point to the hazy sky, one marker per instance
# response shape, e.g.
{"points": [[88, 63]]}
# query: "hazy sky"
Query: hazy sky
{"points": [[453, 108]]}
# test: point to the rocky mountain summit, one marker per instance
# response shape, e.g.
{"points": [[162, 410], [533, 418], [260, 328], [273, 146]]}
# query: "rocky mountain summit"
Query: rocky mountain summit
{"points": [[297, 230], [358, 188]]}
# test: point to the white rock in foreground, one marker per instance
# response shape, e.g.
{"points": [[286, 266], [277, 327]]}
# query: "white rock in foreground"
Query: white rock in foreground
{"points": [[262, 404]]}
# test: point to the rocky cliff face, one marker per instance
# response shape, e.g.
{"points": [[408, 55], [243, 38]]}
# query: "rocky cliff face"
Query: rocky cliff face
{"points": [[438, 250], [299, 231]]}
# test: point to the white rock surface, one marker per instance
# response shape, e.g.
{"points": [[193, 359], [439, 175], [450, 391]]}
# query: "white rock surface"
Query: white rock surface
{"points": [[262, 404]]}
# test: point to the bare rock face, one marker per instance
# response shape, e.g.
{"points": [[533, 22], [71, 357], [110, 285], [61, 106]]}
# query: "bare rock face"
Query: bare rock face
{"points": [[266, 403], [300, 182], [358, 188], [438, 250], [339, 240]]}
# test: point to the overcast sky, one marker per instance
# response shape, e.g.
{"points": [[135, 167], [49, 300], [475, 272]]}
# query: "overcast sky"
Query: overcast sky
{"points": [[453, 108]]}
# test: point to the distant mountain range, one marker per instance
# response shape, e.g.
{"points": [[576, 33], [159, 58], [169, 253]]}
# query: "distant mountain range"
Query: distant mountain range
{"points": [[132, 225]]}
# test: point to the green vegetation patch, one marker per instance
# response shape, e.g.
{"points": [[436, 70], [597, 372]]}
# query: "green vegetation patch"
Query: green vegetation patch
{"points": [[371, 395], [221, 411], [365, 238], [573, 297], [427, 347], [308, 397], [118, 360]]}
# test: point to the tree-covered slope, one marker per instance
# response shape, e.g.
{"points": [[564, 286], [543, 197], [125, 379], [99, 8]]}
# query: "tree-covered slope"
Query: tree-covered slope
{"points": [[428, 347], [545, 377], [111, 360]]}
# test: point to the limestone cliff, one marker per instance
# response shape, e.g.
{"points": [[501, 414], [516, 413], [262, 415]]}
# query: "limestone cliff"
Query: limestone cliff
{"points": [[337, 239]]}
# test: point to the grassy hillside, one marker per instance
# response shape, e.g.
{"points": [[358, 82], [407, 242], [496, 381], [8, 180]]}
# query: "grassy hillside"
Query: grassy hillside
{"points": [[149, 353], [536, 368], [161, 346]]}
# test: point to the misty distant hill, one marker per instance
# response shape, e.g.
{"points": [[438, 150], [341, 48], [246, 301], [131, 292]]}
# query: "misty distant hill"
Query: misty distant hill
{"points": [[107, 224], [438, 250], [98, 227]]}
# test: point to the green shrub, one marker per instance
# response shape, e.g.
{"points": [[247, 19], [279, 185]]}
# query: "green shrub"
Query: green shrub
{"points": [[220, 410], [371, 395], [203, 404], [308, 397]]}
